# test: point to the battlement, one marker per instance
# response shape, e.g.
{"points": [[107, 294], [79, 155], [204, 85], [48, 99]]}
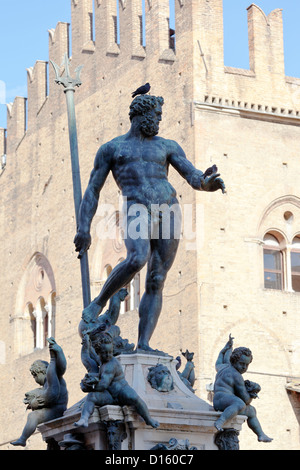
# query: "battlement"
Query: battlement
{"points": [[266, 51], [109, 37]]}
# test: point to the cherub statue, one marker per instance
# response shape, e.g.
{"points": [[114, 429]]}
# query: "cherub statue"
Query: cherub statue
{"points": [[109, 387], [50, 401], [233, 395], [106, 321]]}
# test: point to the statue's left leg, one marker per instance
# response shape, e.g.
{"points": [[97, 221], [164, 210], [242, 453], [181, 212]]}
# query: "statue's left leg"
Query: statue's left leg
{"points": [[163, 252], [129, 397], [254, 424]]}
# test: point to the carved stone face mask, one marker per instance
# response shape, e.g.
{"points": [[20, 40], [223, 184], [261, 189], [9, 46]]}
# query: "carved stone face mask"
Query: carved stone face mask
{"points": [[161, 379]]}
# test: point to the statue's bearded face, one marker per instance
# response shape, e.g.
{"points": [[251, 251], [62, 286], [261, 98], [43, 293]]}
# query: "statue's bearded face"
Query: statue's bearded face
{"points": [[150, 122]]}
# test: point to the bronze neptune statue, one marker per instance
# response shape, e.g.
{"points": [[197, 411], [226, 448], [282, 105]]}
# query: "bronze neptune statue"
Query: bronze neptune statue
{"points": [[139, 162]]}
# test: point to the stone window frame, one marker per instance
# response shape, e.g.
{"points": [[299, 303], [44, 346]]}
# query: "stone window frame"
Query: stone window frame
{"points": [[35, 308], [272, 247], [286, 251]]}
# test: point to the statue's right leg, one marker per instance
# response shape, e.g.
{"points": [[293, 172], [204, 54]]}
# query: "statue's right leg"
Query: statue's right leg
{"points": [[163, 252], [230, 406], [93, 399]]}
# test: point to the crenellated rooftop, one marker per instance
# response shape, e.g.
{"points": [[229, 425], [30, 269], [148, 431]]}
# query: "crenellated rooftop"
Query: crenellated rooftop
{"points": [[94, 41]]}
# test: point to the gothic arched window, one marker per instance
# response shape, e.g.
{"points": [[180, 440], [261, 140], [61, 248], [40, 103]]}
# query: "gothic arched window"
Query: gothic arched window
{"points": [[281, 263], [34, 320], [273, 257]]}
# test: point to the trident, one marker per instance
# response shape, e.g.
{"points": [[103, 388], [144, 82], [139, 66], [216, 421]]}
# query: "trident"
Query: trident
{"points": [[69, 85]]}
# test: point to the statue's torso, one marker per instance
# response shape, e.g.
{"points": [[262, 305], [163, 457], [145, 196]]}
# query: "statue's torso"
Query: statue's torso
{"points": [[140, 169]]}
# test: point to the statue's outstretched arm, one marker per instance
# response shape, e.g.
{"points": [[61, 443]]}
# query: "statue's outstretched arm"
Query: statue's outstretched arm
{"points": [[209, 181], [185, 168], [90, 199]]}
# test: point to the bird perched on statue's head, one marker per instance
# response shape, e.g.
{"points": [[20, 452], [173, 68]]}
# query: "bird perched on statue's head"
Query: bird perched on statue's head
{"points": [[142, 90]]}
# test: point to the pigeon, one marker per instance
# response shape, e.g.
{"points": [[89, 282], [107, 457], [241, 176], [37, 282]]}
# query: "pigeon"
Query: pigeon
{"points": [[142, 90], [210, 171]]}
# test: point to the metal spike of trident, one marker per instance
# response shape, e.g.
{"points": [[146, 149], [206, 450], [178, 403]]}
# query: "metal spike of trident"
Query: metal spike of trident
{"points": [[69, 89]]}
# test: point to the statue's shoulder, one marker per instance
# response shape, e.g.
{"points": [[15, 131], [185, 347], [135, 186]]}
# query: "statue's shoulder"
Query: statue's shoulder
{"points": [[169, 143], [107, 150], [172, 147], [111, 145], [114, 144], [221, 368]]}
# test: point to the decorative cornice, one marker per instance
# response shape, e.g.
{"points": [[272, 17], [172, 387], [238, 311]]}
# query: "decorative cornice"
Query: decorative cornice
{"points": [[245, 109]]}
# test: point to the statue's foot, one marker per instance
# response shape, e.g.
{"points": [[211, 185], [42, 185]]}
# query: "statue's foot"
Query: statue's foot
{"points": [[218, 425], [264, 438], [91, 312], [82, 423], [144, 348], [19, 442], [153, 423]]}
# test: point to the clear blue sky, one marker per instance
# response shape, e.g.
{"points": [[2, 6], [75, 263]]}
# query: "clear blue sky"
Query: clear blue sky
{"points": [[24, 38]]}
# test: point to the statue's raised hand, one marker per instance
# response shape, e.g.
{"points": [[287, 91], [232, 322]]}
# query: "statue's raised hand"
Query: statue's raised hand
{"points": [[213, 183], [53, 346], [82, 242]]}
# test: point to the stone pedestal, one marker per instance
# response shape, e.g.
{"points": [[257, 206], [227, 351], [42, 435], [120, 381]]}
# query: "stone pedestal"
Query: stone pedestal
{"points": [[186, 421]]}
